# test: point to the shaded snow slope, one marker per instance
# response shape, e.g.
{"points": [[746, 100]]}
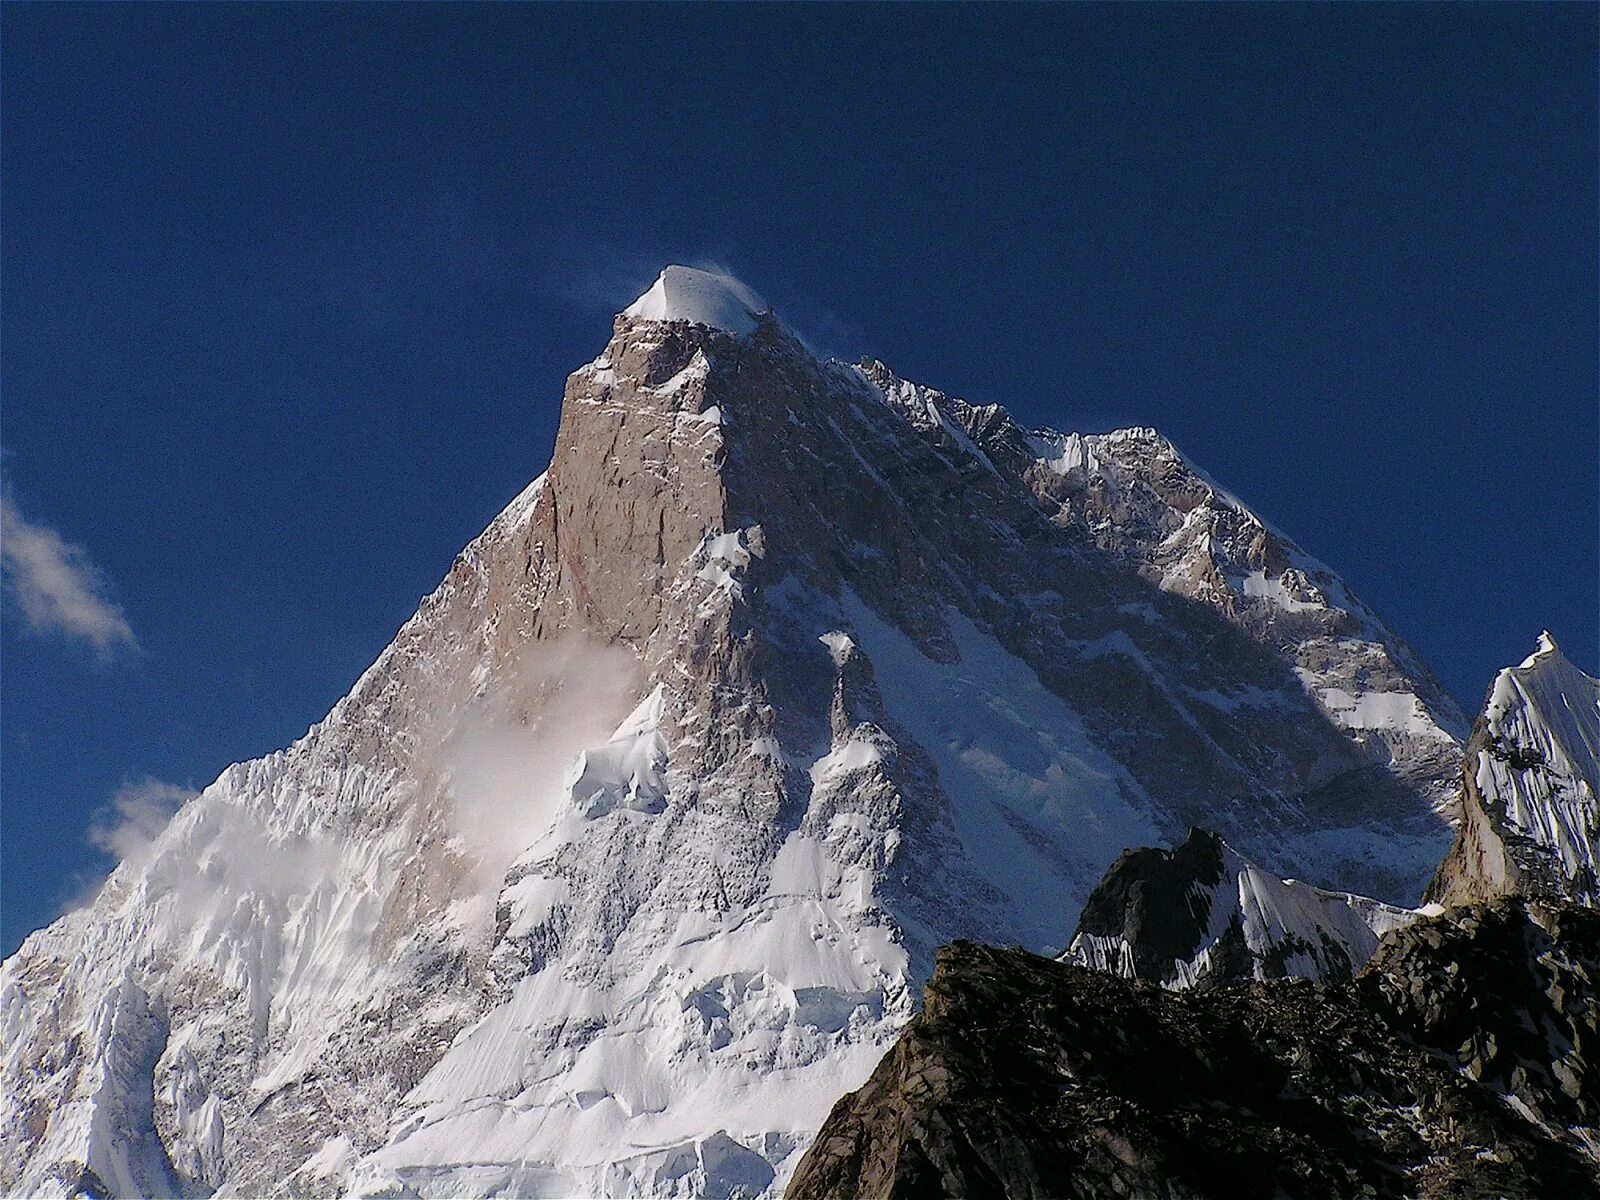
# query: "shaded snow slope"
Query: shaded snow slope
{"points": [[634, 849], [1137, 497], [1530, 819], [1204, 914]]}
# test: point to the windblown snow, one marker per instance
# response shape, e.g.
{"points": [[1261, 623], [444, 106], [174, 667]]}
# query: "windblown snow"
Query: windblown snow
{"points": [[703, 297]]}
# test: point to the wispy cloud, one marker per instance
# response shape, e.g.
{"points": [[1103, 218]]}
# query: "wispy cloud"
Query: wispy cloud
{"points": [[55, 586], [135, 817]]}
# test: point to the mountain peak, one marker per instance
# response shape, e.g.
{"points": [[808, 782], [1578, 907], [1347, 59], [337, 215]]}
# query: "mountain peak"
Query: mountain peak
{"points": [[1203, 914], [1546, 645], [701, 297], [1531, 817], [634, 848]]}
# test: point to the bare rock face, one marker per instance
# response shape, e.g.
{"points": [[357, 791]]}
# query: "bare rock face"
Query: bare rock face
{"points": [[1457, 1065], [1203, 916], [634, 848], [1530, 821]]}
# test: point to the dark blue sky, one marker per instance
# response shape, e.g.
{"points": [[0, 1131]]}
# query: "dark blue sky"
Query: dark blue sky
{"points": [[290, 294]]}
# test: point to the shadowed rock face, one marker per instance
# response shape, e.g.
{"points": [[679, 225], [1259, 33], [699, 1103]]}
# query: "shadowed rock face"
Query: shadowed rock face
{"points": [[1133, 495], [1029, 1078], [1157, 903]]}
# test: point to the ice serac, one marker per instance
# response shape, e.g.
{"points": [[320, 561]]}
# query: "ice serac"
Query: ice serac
{"points": [[1204, 915], [634, 848], [1530, 822]]}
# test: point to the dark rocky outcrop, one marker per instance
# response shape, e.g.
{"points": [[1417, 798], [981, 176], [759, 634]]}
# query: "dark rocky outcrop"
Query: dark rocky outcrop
{"points": [[1455, 1065], [1203, 915], [1157, 901]]}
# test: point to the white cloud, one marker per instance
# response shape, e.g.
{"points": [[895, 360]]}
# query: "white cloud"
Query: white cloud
{"points": [[55, 585], [126, 827]]}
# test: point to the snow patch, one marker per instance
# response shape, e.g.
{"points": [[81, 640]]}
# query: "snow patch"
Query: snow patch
{"points": [[723, 557], [1401, 711], [1259, 585]]}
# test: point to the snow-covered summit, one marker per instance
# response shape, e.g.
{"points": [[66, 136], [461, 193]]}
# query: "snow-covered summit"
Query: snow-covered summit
{"points": [[1545, 645], [701, 297]]}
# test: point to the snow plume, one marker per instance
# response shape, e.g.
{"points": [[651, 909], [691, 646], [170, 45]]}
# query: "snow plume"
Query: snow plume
{"points": [[124, 829], [506, 758], [127, 826], [56, 586]]}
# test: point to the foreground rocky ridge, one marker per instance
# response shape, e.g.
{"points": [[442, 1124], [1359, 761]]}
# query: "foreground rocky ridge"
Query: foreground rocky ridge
{"points": [[634, 849], [1456, 1065]]}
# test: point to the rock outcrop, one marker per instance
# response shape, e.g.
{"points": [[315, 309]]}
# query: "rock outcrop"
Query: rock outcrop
{"points": [[1456, 1065], [1203, 915]]}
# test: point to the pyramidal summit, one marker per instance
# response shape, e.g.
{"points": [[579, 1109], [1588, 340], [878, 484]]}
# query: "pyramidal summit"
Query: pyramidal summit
{"points": [[634, 852]]}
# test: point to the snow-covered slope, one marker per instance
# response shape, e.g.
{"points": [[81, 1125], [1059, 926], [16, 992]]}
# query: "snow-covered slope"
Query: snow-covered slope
{"points": [[1203, 914], [1530, 820], [631, 853]]}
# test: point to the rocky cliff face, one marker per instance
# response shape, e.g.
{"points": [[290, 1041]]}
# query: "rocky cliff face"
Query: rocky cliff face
{"points": [[1456, 1065], [633, 850], [1530, 822], [1203, 915]]}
